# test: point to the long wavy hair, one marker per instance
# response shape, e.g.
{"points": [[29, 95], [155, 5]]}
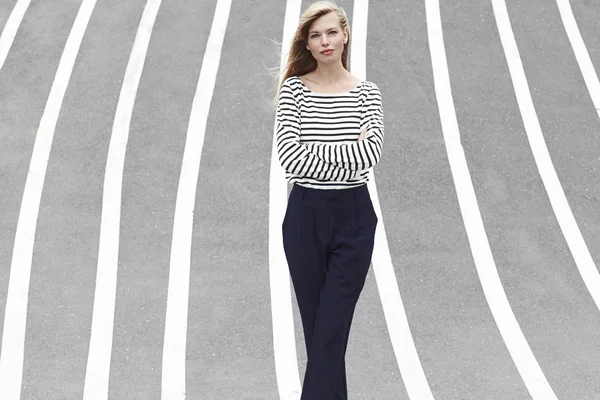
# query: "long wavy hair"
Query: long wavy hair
{"points": [[300, 61]]}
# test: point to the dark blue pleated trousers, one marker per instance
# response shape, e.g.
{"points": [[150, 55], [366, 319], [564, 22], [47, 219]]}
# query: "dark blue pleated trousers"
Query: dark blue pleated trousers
{"points": [[328, 238]]}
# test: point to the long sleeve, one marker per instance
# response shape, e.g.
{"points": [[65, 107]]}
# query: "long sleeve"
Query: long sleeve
{"points": [[294, 156], [360, 155]]}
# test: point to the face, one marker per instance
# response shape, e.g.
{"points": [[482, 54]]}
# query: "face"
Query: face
{"points": [[326, 39]]}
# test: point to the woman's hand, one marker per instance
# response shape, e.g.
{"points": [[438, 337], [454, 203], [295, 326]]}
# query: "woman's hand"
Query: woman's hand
{"points": [[363, 134]]}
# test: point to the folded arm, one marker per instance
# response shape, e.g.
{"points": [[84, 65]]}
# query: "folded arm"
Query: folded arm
{"points": [[293, 155], [363, 154]]}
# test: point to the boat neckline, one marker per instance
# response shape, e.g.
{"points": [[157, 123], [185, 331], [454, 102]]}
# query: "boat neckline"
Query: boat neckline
{"points": [[356, 88]]}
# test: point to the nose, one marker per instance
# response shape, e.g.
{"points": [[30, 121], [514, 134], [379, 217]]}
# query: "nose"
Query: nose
{"points": [[324, 41]]}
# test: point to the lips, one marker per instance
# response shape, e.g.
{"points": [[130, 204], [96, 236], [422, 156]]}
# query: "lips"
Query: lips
{"points": [[327, 52]]}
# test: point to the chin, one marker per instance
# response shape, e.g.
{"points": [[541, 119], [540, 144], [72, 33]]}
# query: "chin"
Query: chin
{"points": [[328, 59]]}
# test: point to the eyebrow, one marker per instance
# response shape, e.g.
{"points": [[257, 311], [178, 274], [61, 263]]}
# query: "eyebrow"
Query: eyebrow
{"points": [[325, 30]]}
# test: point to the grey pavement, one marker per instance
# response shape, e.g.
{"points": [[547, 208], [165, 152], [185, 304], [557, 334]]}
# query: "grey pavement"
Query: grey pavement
{"points": [[230, 336]]}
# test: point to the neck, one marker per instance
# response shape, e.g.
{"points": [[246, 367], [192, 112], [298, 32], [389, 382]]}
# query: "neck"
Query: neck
{"points": [[330, 73]]}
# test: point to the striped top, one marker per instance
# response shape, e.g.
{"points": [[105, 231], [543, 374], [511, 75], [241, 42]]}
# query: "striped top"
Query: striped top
{"points": [[317, 134]]}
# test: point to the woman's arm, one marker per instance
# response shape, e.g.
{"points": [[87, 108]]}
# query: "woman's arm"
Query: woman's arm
{"points": [[294, 156], [363, 154]]}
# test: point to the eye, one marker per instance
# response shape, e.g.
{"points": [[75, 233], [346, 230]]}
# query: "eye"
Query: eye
{"points": [[333, 32], [314, 36]]}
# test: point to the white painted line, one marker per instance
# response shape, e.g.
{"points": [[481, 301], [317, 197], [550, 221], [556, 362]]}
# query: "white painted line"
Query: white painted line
{"points": [[509, 328], [284, 337], [358, 45], [562, 210], [383, 269], [581, 53], [15, 317], [175, 339], [10, 29], [98, 363], [403, 344]]}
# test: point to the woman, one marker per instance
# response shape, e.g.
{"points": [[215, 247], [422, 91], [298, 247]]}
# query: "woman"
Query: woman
{"points": [[329, 133]]}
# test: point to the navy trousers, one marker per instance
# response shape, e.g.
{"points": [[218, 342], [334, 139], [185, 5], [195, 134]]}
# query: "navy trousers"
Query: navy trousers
{"points": [[328, 238]]}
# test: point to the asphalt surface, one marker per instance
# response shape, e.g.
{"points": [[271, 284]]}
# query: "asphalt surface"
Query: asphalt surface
{"points": [[230, 337]]}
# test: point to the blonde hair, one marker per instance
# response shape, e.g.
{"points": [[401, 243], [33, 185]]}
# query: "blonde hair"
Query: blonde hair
{"points": [[299, 59]]}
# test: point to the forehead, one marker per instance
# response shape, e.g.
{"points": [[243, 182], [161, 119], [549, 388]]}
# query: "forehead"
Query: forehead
{"points": [[324, 22]]}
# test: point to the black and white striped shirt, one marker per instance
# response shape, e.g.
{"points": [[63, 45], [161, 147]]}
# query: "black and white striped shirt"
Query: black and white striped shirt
{"points": [[317, 134]]}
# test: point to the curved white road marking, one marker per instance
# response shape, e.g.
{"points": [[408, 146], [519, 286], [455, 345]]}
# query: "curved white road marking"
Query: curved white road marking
{"points": [[10, 29], [284, 338], [393, 307], [15, 317], [517, 345], [98, 363], [581, 53], [175, 339], [558, 200]]}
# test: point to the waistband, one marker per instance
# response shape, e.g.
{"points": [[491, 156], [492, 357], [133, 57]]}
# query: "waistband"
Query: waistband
{"points": [[350, 193]]}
